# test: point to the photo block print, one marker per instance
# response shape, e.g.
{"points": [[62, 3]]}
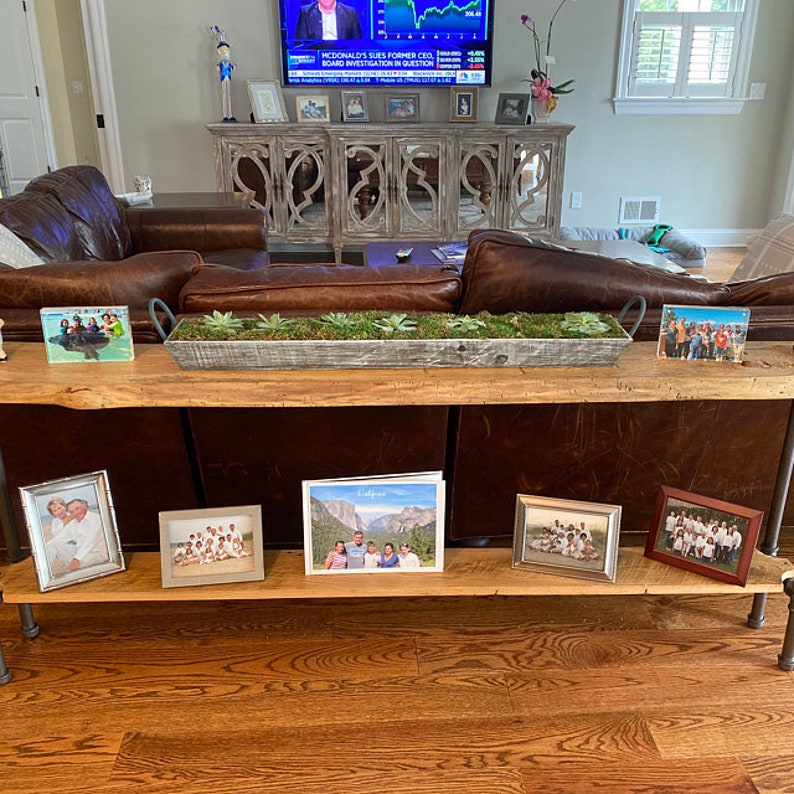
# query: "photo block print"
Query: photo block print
{"points": [[374, 527], [222, 545], [702, 535], [94, 333], [570, 538], [73, 531], [703, 333]]}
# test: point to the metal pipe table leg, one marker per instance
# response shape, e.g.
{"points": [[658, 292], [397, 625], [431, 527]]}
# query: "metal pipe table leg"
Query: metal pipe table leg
{"points": [[30, 628], [5, 673], [769, 545], [13, 551], [785, 659]]}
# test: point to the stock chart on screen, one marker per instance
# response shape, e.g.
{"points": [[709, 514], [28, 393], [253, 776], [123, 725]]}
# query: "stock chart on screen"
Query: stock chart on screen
{"points": [[431, 18]]}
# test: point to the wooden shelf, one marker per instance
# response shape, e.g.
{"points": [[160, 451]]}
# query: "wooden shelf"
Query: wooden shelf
{"points": [[154, 379], [468, 572]]}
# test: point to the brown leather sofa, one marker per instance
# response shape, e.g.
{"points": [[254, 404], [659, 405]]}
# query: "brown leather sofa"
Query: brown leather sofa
{"points": [[605, 453], [97, 252]]}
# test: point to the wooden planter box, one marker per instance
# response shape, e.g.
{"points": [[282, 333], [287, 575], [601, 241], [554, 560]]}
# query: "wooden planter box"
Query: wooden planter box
{"points": [[397, 353]]}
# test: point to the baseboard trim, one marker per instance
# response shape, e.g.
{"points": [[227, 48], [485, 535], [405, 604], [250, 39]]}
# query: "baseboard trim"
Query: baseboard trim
{"points": [[722, 238]]}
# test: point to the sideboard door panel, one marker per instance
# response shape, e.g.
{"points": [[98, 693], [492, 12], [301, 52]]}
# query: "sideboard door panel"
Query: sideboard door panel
{"points": [[418, 187]]}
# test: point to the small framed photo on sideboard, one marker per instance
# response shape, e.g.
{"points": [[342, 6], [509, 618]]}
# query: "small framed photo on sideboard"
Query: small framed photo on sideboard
{"points": [[313, 108], [354, 106], [267, 103], [703, 333], [512, 109]]}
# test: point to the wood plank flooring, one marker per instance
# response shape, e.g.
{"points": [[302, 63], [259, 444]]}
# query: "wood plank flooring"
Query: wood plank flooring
{"points": [[622, 695]]}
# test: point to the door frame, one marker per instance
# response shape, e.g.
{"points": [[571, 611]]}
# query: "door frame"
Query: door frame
{"points": [[103, 91]]}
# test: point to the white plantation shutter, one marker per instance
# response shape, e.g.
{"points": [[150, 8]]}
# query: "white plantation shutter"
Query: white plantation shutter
{"points": [[681, 55], [687, 55]]}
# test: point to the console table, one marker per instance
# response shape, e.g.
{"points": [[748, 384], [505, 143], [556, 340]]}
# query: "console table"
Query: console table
{"points": [[341, 184], [154, 379]]}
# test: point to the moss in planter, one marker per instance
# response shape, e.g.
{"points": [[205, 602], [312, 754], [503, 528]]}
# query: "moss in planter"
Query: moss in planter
{"points": [[375, 325]]}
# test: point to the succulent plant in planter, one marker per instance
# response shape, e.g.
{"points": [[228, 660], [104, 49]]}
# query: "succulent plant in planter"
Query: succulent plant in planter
{"points": [[341, 340]]}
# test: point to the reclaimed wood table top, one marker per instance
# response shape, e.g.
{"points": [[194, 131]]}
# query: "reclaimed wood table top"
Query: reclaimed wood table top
{"points": [[154, 379], [467, 572]]}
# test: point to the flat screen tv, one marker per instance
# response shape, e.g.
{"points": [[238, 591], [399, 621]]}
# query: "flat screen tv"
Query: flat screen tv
{"points": [[387, 42]]}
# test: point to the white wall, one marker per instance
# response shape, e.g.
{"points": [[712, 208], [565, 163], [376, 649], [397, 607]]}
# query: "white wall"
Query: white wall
{"points": [[713, 172]]}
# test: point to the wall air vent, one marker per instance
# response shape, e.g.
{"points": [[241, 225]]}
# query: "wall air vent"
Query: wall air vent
{"points": [[639, 209]]}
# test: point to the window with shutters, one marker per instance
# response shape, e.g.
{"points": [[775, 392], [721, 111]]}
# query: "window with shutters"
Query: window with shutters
{"points": [[685, 56]]}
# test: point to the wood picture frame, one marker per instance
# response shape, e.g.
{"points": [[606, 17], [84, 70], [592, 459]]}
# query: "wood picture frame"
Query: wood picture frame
{"points": [[403, 107], [391, 524], [566, 537], [512, 109], [463, 102], [313, 108], [688, 531], [217, 545], [72, 526], [354, 107], [267, 103]]}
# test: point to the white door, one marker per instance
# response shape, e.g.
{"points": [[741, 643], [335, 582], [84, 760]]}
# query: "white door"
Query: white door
{"points": [[22, 136]]}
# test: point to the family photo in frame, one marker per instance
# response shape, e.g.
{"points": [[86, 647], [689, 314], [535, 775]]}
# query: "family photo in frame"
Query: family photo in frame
{"points": [[74, 334], [72, 526], [354, 106], [402, 107], [566, 537], [703, 333], [314, 108], [211, 546], [512, 109], [703, 535], [376, 525]]}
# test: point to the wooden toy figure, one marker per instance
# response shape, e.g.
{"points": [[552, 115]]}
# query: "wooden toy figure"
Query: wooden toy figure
{"points": [[3, 355], [225, 68]]}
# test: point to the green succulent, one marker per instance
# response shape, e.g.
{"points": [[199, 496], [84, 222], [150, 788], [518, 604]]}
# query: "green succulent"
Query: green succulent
{"points": [[274, 323], [222, 321], [338, 319], [586, 323], [465, 322], [395, 322]]}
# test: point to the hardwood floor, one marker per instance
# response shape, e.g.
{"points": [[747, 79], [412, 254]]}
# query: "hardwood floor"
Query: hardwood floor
{"points": [[475, 696], [720, 263], [622, 695]]}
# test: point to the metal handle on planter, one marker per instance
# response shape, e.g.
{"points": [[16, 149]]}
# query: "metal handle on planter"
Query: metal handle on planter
{"points": [[154, 304], [640, 316]]}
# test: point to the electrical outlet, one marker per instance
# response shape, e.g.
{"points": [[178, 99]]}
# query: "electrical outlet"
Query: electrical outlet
{"points": [[757, 90], [576, 200]]}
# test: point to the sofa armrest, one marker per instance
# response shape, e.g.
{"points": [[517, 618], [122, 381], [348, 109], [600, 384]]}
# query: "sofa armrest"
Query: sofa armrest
{"points": [[202, 230]]}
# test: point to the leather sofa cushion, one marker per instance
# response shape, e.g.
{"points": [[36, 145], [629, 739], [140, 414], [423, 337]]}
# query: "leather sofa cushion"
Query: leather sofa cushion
{"points": [[43, 225], [322, 288], [131, 282], [100, 224], [506, 272]]}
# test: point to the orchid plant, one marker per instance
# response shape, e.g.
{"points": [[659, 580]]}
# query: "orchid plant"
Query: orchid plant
{"points": [[541, 87]]}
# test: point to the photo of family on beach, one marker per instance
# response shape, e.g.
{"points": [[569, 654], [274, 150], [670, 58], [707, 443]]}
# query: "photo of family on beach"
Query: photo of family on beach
{"points": [[374, 525], [211, 546], [566, 537], [93, 333], [704, 535], [72, 527]]}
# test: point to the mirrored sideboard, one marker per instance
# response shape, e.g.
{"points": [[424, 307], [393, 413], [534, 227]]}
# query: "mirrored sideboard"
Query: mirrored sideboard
{"points": [[348, 184]]}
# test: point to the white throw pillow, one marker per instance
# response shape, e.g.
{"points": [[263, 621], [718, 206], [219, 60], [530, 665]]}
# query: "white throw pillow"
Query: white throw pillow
{"points": [[14, 252]]}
